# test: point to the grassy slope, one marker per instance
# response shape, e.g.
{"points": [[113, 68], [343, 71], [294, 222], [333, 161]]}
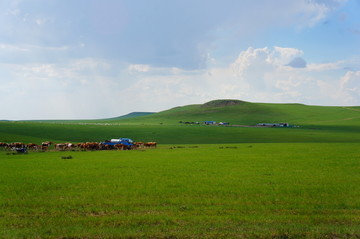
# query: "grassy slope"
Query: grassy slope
{"points": [[245, 191], [253, 113], [318, 124]]}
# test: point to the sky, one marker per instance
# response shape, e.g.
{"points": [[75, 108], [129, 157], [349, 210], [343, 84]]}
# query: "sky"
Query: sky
{"points": [[92, 59]]}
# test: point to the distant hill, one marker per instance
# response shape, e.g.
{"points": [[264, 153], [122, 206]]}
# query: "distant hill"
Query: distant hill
{"points": [[247, 113], [317, 124], [131, 115], [237, 112]]}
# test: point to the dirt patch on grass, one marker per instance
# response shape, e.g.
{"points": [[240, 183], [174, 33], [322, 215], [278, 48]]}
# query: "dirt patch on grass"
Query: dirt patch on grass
{"points": [[222, 103]]}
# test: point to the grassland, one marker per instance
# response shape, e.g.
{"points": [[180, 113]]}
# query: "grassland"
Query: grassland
{"points": [[317, 124], [172, 134], [202, 181], [210, 191]]}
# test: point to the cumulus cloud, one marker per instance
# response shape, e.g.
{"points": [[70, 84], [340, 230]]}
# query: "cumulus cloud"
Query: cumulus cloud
{"points": [[257, 67], [270, 80], [350, 87], [265, 57], [86, 88], [258, 74]]}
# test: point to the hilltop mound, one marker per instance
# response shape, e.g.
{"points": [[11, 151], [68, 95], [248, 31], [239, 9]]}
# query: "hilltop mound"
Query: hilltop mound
{"points": [[222, 103]]}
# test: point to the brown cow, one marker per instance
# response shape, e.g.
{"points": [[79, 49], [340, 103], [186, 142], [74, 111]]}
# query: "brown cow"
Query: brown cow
{"points": [[70, 146], [32, 146], [119, 146], [92, 146], [138, 145], [45, 145], [80, 146], [106, 146], [122, 147], [4, 145], [150, 144], [60, 147], [16, 145]]}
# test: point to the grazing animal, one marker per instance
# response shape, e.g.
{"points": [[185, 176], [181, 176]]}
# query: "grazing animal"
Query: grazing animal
{"points": [[70, 146], [32, 146], [121, 146], [4, 145], [60, 146], [17, 145], [150, 144], [104, 146], [80, 146], [138, 145], [45, 145], [92, 146]]}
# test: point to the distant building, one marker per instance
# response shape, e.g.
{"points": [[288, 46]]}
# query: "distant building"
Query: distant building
{"points": [[224, 123], [209, 122], [273, 124]]}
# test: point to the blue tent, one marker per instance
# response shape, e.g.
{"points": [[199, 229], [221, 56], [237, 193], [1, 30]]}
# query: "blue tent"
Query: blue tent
{"points": [[124, 141]]}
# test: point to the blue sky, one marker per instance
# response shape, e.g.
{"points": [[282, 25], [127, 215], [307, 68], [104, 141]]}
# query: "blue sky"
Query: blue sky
{"points": [[64, 59]]}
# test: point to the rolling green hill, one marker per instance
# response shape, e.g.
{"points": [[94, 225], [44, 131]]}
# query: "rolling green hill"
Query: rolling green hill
{"points": [[247, 113], [316, 124]]}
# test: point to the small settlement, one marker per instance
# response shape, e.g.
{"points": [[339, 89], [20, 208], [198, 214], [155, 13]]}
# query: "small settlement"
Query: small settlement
{"points": [[228, 124], [273, 124], [204, 123]]}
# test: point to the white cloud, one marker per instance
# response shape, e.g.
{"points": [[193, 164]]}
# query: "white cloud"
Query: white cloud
{"points": [[77, 89], [94, 88], [139, 68], [281, 56], [188, 34], [270, 80], [30, 48], [313, 11], [350, 87], [326, 66], [12, 48]]}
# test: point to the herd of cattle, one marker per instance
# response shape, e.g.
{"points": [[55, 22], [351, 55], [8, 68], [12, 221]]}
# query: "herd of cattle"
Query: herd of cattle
{"points": [[44, 146]]}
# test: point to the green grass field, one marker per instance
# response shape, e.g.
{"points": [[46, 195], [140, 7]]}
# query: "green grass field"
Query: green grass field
{"points": [[172, 134], [188, 191], [201, 182]]}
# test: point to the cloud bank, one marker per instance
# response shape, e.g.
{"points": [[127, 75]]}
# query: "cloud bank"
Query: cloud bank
{"points": [[162, 33], [90, 88], [97, 59]]}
